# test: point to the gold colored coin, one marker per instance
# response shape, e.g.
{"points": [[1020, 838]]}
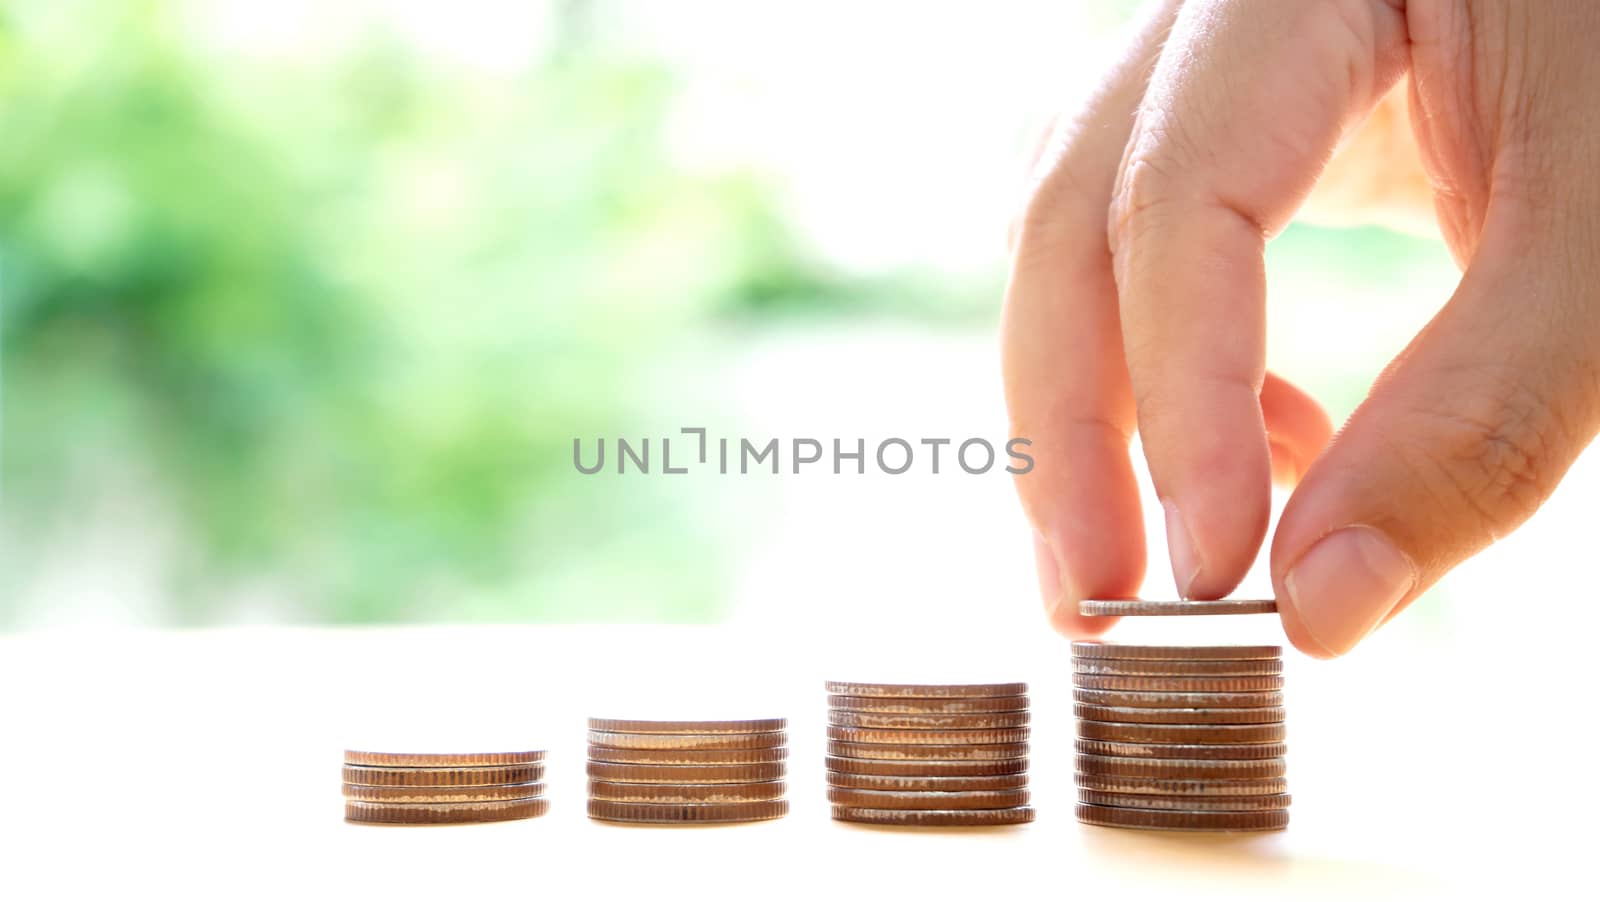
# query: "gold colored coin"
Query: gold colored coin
{"points": [[1088, 648], [1179, 769], [1233, 752], [700, 727], [936, 801], [1209, 821], [688, 741], [900, 817], [1194, 716], [891, 768], [1184, 803], [1002, 720], [453, 759], [686, 773], [1181, 734], [928, 705], [928, 752], [687, 756], [1144, 786], [715, 813], [686, 793], [920, 783], [357, 812], [925, 690], [406, 795], [1139, 668], [443, 776], [928, 737], [1178, 684]]}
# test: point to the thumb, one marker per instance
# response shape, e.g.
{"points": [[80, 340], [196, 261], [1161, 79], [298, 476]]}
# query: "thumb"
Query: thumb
{"points": [[1460, 441]]}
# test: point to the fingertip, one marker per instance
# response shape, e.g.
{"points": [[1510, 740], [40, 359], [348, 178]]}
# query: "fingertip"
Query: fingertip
{"points": [[1068, 622], [1061, 599], [1294, 626], [1215, 526], [1286, 466]]}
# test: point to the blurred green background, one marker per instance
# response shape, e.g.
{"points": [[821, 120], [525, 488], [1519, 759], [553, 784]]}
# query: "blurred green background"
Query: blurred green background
{"points": [[299, 323]]}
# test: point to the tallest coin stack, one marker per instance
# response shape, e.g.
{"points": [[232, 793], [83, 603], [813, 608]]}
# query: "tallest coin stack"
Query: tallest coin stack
{"points": [[1180, 737]]}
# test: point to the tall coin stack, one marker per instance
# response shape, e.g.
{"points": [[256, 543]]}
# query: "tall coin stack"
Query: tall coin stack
{"points": [[928, 755], [1180, 737], [687, 771], [415, 789]]}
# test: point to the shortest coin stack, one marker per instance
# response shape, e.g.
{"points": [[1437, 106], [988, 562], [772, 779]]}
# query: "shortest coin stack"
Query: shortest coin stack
{"points": [[401, 788], [1180, 737], [687, 771], [928, 755]]}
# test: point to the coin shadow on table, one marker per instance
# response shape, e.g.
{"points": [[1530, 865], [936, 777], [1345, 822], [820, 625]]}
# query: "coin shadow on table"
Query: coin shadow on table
{"points": [[1263, 852], [923, 830], [688, 825]]}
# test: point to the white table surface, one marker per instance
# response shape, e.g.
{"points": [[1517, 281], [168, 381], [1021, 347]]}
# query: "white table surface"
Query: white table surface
{"points": [[205, 764]]}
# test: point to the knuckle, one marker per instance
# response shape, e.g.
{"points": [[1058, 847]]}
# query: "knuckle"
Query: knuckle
{"points": [[1058, 205], [1491, 456], [1141, 197]]}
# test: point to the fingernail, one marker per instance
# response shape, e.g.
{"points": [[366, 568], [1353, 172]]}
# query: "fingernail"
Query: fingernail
{"points": [[1346, 584], [1180, 547], [1051, 587]]}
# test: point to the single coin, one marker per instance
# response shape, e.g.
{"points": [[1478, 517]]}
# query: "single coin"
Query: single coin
{"points": [[686, 793], [1144, 786], [710, 813], [357, 812], [901, 817], [453, 759], [701, 727], [1184, 803], [1180, 769], [1117, 698], [686, 773], [928, 737], [1004, 720], [1097, 608], [1114, 667], [687, 756], [1088, 648], [1149, 819], [1244, 684], [928, 705], [1196, 716], [919, 783], [1181, 734], [442, 776], [954, 768], [936, 801], [406, 795], [1234, 752], [928, 752], [925, 690], [688, 741]]}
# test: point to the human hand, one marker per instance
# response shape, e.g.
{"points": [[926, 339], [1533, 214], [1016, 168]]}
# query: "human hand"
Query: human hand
{"points": [[1137, 299]]}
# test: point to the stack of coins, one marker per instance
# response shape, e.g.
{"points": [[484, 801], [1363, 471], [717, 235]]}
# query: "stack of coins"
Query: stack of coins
{"points": [[402, 788], [928, 755], [1180, 737], [687, 771]]}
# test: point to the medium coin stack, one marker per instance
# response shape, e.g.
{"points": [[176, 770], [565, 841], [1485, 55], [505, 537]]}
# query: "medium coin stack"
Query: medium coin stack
{"points": [[687, 771], [415, 789], [928, 755], [1180, 737]]}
